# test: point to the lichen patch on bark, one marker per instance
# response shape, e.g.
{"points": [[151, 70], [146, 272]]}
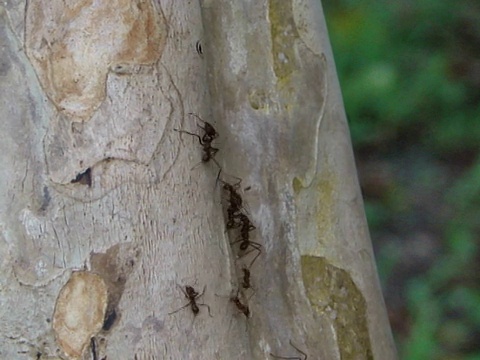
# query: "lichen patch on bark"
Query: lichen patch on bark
{"points": [[332, 292], [283, 33], [79, 312], [73, 44]]}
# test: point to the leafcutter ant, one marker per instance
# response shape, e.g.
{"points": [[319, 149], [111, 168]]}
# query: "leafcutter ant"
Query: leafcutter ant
{"points": [[232, 189], [304, 356], [235, 202], [210, 132], [245, 227], [246, 278], [240, 306], [206, 140], [192, 295]]}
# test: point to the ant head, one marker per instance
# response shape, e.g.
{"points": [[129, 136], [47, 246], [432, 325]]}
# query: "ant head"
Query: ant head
{"points": [[190, 290], [210, 130], [227, 187]]}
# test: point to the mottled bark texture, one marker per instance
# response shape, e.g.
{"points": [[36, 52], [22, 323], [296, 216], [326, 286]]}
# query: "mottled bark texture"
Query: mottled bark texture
{"points": [[101, 197]]}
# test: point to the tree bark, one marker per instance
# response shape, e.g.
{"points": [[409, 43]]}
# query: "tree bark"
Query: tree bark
{"points": [[99, 195]]}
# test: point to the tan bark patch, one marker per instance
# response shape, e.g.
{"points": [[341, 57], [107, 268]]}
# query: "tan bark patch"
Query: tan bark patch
{"points": [[73, 44], [79, 312]]}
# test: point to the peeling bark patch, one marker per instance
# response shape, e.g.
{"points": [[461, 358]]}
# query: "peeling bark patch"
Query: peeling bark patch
{"points": [[72, 44], [79, 312], [331, 291]]}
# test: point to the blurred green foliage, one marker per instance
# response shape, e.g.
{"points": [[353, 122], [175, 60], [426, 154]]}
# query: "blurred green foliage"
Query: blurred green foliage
{"points": [[410, 77], [398, 64]]}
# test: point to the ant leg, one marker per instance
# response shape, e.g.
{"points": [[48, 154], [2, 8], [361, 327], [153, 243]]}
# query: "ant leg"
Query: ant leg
{"points": [[183, 307], [285, 357], [203, 162], [291, 357], [189, 133], [218, 178], [242, 240], [197, 296], [300, 351], [237, 184], [236, 241], [255, 258], [256, 247], [215, 161], [234, 186], [198, 117], [208, 307]]}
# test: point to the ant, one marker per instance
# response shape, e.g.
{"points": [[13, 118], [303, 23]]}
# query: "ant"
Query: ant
{"points": [[240, 306], [235, 198], [245, 225], [292, 357], [244, 240], [210, 132], [192, 295], [235, 202], [246, 278], [234, 211], [206, 140]]}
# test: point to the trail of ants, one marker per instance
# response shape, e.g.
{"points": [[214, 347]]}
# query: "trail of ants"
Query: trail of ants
{"points": [[304, 356], [192, 295], [205, 140], [236, 218]]}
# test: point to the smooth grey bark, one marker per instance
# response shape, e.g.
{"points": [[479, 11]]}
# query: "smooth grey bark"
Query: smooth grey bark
{"points": [[95, 180]]}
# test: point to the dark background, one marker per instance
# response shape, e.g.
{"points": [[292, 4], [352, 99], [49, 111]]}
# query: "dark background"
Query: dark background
{"points": [[410, 77]]}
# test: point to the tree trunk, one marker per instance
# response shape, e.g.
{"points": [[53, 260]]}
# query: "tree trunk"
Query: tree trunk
{"points": [[104, 222]]}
